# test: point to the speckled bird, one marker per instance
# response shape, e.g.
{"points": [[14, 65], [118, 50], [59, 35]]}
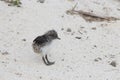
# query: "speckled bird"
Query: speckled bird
{"points": [[42, 41]]}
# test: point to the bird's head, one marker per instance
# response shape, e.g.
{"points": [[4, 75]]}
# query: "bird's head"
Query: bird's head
{"points": [[52, 34]]}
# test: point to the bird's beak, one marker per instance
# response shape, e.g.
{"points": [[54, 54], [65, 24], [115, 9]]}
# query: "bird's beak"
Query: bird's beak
{"points": [[58, 38]]}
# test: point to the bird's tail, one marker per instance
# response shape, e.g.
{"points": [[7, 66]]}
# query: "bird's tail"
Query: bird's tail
{"points": [[36, 48]]}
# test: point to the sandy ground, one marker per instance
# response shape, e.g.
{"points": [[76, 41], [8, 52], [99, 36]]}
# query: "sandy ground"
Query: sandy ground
{"points": [[87, 57]]}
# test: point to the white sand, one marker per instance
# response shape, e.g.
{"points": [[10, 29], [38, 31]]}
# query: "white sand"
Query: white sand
{"points": [[74, 58]]}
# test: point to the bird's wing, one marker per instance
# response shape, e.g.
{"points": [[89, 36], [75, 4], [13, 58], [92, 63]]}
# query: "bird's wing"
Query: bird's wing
{"points": [[40, 40]]}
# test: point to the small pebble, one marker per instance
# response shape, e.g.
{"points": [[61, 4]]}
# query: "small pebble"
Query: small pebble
{"points": [[62, 16], [40, 77], [15, 60], [18, 33], [90, 76], [95, 46], [19, 74], [97, 59], [72, 33], [23, 39], [69, 30], [5, 53], [41, 1], [3, 62], [113, 63], [62, 29], [93, 28], [78, 37], [62, 59]]}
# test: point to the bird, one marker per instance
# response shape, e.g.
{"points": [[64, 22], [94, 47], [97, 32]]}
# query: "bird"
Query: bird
{"points": [[41, 41]]}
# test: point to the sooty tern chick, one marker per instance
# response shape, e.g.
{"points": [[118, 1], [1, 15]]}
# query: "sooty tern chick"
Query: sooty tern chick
{"points": [[42, 41]]}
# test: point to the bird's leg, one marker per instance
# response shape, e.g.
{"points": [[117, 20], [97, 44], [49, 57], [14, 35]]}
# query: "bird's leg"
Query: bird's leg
{"points": [[49, 63], [44, 60]]}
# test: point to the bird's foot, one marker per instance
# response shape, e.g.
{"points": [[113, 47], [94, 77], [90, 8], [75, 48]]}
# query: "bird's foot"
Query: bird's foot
{"points": [[47, 62]]}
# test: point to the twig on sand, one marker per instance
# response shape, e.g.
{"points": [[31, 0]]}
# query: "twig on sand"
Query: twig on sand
{"points": [[90, 16]]}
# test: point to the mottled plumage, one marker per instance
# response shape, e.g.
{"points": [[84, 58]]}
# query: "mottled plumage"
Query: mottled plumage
{"points": [[41, 41]]}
